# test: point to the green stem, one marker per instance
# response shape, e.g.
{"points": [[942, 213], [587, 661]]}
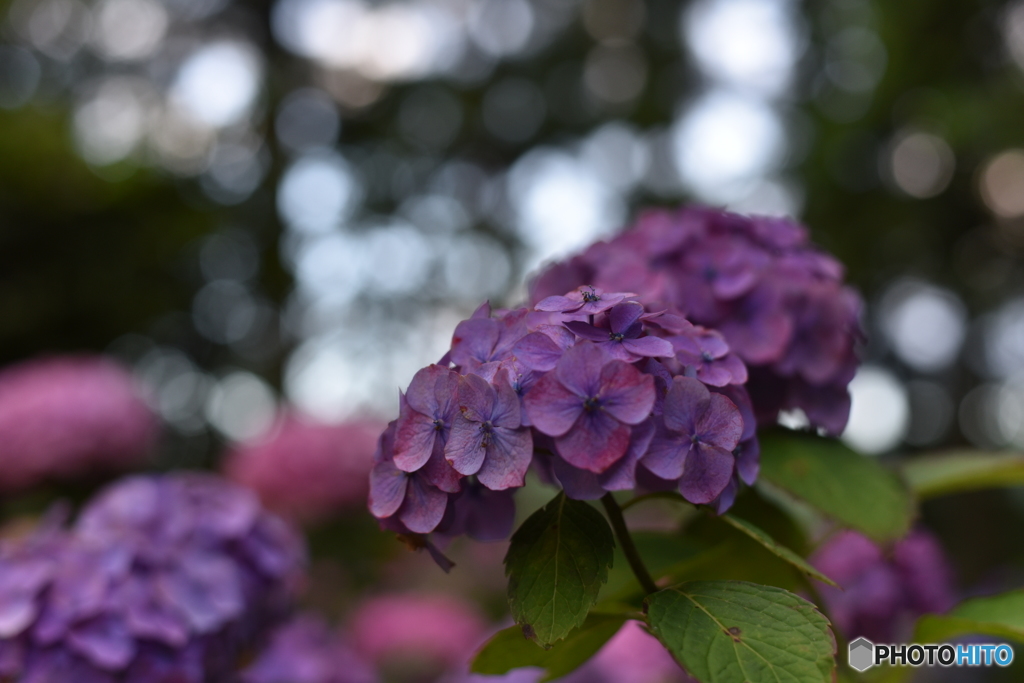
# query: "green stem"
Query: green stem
{"points": [[656, 495], [611, 507]]}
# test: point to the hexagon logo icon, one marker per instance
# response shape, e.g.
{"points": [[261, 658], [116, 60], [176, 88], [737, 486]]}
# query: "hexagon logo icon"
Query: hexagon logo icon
{"points": [[862, 654]]}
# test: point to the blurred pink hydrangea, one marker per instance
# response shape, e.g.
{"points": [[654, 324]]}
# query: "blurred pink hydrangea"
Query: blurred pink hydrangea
{"points": [[307, 470], [63, 416], [634, 656], [424, 630]]}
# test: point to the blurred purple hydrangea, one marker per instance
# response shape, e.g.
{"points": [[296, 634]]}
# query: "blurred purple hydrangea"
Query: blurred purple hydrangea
{"points": [[591, 388], [884, 590], [779, 302], [306, 650], [307, 470], [69, 415], [162, 579]]}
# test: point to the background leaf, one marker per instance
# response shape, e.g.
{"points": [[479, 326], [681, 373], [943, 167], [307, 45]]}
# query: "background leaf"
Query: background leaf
{"points": [[509, 648], [778, 550], [937, 475], [556, 563], [998, 615], [854, 490], [739, 632]]}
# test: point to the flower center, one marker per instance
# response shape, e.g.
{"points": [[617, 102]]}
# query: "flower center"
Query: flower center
{"points": [[591, 403], [706, 357], [487, 430], [616, 336], [438, 424], [591, 297]]}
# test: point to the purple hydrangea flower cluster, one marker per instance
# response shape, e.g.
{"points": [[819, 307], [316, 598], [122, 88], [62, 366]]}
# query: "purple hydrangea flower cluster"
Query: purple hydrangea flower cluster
{"points": [[885, 590], [161, 580], [779, 303], [64, 416], [306, 650], [593, 389]]}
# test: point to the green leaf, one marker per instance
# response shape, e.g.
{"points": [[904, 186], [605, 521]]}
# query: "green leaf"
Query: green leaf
{"points": [[779, 550], [854, 490], [998, 615], [509, 649], [556, 563], [738, 632], [937, 475]]}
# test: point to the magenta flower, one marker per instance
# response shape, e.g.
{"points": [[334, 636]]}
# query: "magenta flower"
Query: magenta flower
{"points": [[696, 435], [707, 353], [481, 340], [68, 415], [585, 300], [487, 437], [588, 403], [306, 650], [307, 470], [426, 417], [624, 337]]}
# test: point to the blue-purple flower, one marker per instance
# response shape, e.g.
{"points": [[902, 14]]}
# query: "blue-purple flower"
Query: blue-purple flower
{"points": [[695, 437], [623, 336], [588, 404], [585, 300]]}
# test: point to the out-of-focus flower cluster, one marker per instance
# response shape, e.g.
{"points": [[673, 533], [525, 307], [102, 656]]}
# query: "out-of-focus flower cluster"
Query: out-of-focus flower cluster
{"points": [[779, 302], [307, 470], [160, 580], [67, 416], [595, 390], [884, 591]]}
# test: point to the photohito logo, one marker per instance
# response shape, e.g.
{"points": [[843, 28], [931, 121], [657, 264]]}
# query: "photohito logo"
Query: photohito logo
{"points": [[864, 654]]}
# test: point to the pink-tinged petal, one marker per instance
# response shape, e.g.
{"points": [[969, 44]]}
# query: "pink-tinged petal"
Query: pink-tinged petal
{"points": [[622, 475], [595, 442], [587, 331], [558, 304], [707, 472], [562, 337], [579, 370], [721, 424], [476, 399], [465, 449], [651, 347], [551, 407], [577, 483], [482, 311], [626, 393], [713, 343], [446, 395], [422, 393], [424, 507], [666, 455], [387, 489], [538, 351], [622, 316], [508, 458], [474, 340], [414, 440], [687, 398], [722, 372], [506, 412], [438, 472]]}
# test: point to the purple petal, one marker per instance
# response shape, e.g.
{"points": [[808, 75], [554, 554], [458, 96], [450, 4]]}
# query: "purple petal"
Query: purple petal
{"points": [[726, 498], [422, 392], [508, 458], [465, 450], [387, 489], [438, 472], [104, 641], [587, 331], [595, 442], [707, 472], [474, 340], [666, 455], [622, 316], [748, 461], [506, 411], [579, 370], [651, 347], [687, 399], [476, 399], [721, 424], [577, 483], [622, 475], [424, 506], [551, 407], [538, 351], [558, 304], [626, 393], [415, 434]]}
